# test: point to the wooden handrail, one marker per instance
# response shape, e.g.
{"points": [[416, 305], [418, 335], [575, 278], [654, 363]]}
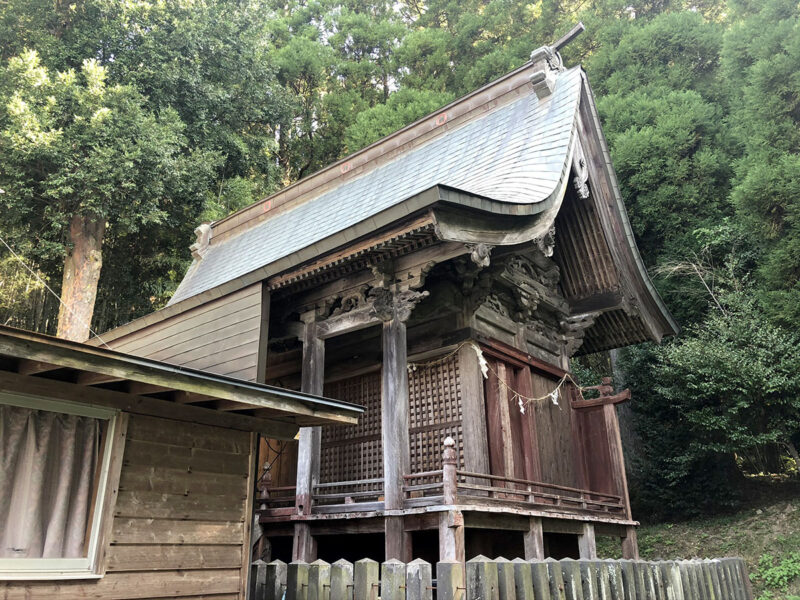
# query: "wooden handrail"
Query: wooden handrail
{"points": [[331, 484], [423, 474], [552, 486]]}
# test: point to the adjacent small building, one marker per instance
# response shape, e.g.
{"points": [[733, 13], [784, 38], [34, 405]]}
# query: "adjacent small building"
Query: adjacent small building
{"points": [[441, 279], [124, 477]]}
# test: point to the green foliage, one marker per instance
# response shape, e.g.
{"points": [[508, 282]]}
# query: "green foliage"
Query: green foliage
{"points": [[761, 60], [776, 574], [74, 145], [403, 107], [730, 386]]}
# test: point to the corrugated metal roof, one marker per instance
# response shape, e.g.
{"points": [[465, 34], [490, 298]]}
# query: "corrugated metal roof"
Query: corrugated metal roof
{"points": [[515, 154]]}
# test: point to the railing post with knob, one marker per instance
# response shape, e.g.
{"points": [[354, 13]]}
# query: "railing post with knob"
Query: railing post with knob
{"points": [[449, 477]]}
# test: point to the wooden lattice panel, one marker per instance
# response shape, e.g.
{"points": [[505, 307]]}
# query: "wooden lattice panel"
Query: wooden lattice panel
{"points": [[354, 452], [434, 413]]}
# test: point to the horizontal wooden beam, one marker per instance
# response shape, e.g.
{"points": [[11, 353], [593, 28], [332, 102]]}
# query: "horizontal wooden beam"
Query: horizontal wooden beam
{"points": [[47, 388], [70, 355], [359, 318], [33, 367], [89, 378], [182, 397], [143, 389], [599, 302], [603, 400]]}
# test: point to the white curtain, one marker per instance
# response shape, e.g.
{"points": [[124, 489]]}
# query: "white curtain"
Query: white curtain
{"points": [[47, 468]]}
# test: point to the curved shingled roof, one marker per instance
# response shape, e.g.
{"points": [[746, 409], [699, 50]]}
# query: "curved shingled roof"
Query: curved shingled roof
{"points": [[514, 154]]}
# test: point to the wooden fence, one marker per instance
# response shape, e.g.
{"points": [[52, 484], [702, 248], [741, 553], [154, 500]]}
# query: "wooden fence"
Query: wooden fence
{"points": [[501, 579]]}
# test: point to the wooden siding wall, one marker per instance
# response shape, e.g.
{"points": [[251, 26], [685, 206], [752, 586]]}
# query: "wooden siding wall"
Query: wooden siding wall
{"points": [[221, 336], [596, 453], [556, 427], [179, 524]]}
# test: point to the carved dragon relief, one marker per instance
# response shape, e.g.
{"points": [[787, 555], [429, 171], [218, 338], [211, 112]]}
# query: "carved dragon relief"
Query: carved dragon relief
{"points": [[388, 304]]}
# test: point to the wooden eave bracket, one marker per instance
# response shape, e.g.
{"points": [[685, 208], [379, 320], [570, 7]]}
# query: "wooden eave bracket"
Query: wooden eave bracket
{"points": [[623, 396]]}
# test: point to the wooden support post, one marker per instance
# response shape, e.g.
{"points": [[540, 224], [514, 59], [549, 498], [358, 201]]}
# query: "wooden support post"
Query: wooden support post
{"points": [[476, 446], [394, 428], [617, 458], [308, 452], [630, 545], [534, 540], [451, 523], [586, 542]]}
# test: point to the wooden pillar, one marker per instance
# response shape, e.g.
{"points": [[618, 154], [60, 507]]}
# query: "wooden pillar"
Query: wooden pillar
{"points": [[308, 452], [587, 546], [475, 443], [534, 540], [630, 545], [617, 458], [451, 522], [394, 429]]}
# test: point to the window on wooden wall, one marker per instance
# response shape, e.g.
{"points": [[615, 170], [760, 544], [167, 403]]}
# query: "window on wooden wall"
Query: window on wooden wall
{"points": [[54, 473]]}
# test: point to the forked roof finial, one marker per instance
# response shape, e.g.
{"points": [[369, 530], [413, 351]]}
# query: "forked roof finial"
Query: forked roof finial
{"points": [[548, 62]]}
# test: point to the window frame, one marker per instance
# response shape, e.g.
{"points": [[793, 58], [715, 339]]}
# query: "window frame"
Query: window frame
{"points": [[88, 567]]}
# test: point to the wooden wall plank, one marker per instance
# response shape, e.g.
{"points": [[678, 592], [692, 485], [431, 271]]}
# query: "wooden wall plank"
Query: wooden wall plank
{"points": [[173, 557], [554, 433], [142, 477], [116, 586], [189, 435], [169, 531], [198, 507], [195, 460]]}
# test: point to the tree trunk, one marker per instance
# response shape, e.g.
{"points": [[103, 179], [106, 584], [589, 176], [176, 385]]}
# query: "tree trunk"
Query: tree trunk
{"points": [[793, 453], [81, 274]]}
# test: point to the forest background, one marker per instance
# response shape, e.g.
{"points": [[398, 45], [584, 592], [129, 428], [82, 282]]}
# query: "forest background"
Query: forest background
{"points": [[128, 122]]}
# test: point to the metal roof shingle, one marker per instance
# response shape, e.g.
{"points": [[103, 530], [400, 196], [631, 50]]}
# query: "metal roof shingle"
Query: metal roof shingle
{"points": [[514, 153]]}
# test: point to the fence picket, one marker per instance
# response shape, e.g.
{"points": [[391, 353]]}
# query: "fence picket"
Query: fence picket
{"points": [[589, 576], [557, 591], [319, 580], [541, 581], [365, 580], [341, 580], [450, 580], [393, 580], [484, 579], [505, 579], [571, 572], [297, 580], [419, 580]]}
